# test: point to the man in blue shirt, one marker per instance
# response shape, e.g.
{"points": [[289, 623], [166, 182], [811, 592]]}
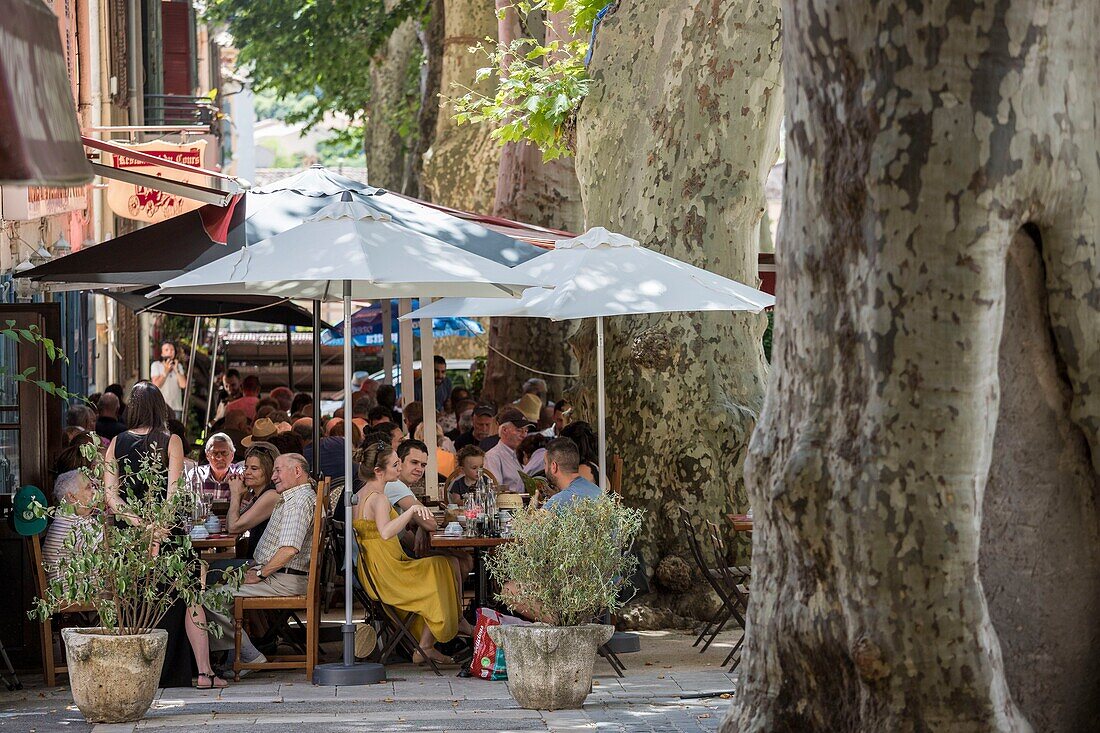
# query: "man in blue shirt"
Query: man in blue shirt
{"points": [[563, 469]]}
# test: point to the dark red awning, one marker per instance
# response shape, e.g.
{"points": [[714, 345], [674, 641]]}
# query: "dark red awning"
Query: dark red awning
{"points": [[40, 144]]}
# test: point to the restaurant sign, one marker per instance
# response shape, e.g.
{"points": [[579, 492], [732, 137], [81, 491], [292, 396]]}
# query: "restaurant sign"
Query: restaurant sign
{"points": [[143, 203], [21, 203]]}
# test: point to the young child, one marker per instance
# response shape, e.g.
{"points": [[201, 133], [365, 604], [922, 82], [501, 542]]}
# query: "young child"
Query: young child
{"points": [[470, 460]]}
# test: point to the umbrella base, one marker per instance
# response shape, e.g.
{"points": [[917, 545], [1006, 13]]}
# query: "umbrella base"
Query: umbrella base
{"points": [[339, 674]]}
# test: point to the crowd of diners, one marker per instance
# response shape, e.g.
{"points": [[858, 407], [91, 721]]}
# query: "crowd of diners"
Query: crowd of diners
{"points": [[256, 460]]}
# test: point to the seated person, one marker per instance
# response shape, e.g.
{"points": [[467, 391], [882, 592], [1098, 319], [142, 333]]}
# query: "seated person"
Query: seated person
{"points": [[563, 470], [532, 454], [563, 460], [429, 587], [501, 459], [280, 566], [252, 495], [445, 461], [74, 489], [471, 459], [211, 481], [413, 455]]}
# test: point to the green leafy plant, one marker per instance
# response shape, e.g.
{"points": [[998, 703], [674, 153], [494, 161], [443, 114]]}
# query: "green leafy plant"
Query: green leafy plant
{"points": [[541, 84], [569, 562], [33, 335], [134, 572]]}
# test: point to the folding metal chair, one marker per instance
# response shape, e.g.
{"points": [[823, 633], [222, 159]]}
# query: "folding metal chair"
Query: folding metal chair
{"points": [[394, 626], [734, 580], [729, 608]]}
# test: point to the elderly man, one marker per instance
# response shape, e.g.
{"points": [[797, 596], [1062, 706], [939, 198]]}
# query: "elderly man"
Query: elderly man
{"points": [[211, 481], [281, 563], [482, 425], [501, 459]]}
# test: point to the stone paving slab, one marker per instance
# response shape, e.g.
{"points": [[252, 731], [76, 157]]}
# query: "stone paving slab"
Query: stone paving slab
{"points": [[656, 696]]}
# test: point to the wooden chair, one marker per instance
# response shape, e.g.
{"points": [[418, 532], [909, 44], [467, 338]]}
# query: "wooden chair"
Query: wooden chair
{"points": [[50, 669], [309, 604], [615, 475]]}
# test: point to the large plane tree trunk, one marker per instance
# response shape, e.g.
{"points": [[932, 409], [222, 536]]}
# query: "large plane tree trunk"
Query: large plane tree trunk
{"points": [[545, 194], [675, 141], [460, 169], [936, 387], [395, 98]]}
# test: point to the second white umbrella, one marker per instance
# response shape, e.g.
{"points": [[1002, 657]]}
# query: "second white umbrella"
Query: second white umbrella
{"points": [[601, 273]]}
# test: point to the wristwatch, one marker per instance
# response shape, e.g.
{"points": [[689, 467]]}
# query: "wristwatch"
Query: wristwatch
{"points": [[259, 572]]}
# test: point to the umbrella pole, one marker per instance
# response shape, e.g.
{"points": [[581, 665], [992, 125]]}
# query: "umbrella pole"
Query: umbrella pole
{"points": [[348, 672], [289, 359], [387, 340], [427, 389], [190, 372], [601, 398], [405, 344], [213, 371], [317, 388]]}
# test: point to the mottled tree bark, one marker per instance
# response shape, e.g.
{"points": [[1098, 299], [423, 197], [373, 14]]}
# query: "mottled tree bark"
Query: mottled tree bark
{"points": [[460, 169], [545, 194], [675, 141], [922, 137], [394, 100], [431, 43]]}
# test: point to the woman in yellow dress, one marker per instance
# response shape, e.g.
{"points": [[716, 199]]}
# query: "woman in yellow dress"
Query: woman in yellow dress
{"points": [[431, 586]]}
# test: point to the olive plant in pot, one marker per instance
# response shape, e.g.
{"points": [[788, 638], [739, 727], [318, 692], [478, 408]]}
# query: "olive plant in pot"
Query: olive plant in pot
{"points": [[132, 573], [565, 567]]}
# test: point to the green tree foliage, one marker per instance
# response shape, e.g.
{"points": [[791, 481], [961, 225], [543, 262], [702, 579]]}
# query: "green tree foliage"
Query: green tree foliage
{"points": [[33, 336], [321, 48], [542, 82]]}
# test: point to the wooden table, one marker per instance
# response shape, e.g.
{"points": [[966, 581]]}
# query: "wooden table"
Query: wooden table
{"points": [[478, 546], [217, 546], [740, 522]]}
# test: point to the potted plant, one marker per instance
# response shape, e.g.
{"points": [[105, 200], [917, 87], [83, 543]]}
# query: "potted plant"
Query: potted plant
{"points": [[566, 567], [131, 573]]}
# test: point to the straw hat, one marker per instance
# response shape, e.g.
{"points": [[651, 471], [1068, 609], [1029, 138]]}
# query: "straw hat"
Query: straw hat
{"points": [[531, 407], [366, 640], [262, 429]]}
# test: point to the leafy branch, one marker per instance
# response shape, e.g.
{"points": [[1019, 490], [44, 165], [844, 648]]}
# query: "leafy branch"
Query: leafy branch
{"points": [[541, 84], [33, 336], [132, 573]]}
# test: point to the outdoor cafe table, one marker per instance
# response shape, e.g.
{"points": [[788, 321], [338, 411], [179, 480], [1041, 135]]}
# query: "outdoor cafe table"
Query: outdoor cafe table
{"points": [[218, 546], [477, 545]]}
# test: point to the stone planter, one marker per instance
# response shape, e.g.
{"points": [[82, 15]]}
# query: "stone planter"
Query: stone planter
{"points": [[114, 678], [550, 667]]}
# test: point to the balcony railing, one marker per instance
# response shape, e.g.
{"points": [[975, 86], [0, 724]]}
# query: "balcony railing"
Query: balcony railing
{"points": [[176, 109]]}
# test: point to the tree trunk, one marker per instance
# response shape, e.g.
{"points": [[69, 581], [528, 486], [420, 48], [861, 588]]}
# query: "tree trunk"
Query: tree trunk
{"points": [[1040, 540], [921, 138], [460, 169], [431, 42], [394, 75], [674, 145], [544, 194]]}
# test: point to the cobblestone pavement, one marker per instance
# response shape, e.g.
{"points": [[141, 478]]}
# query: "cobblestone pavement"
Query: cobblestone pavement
{"points": [[668, 687]]}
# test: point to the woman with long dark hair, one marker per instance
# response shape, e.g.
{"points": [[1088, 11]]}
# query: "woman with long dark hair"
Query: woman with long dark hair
{"points": [[588, 445], [148, 439], [252, 498]]}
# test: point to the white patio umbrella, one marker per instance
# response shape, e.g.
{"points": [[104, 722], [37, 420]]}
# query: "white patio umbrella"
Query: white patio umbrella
{"points": [[350, 250], [601, 273]]}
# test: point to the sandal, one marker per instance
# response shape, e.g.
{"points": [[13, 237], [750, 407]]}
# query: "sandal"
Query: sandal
{"points": [[214, 682], [444, 662]]}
